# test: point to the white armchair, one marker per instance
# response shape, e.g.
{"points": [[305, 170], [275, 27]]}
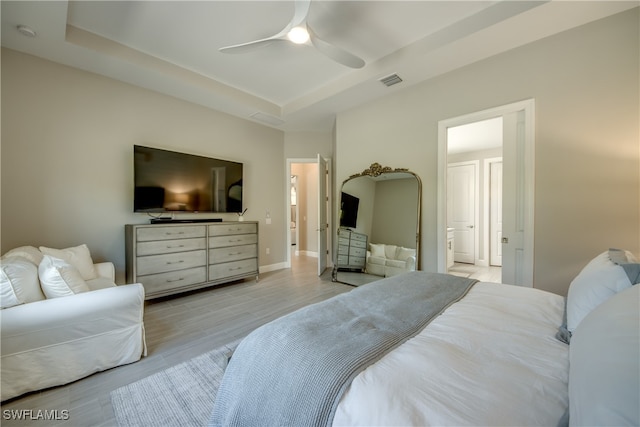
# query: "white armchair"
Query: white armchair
{"points": [[53, 341], [389, 260]]}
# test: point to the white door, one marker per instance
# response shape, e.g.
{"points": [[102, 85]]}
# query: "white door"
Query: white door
{"points": [[323, 175], [516, 211], [461, 202], [495, 213]]}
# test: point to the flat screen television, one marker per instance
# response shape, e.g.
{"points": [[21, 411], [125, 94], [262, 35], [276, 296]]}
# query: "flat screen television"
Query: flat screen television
{"points": [[169, 181], [348, 210]]}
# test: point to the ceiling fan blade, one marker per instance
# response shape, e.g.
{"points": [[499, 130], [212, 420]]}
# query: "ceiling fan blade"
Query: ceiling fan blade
{"points": [[337, 54], [301, 9], [249, 46]]}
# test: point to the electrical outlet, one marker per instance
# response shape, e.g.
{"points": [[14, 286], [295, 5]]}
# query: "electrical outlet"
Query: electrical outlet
{"points": [[268, 251]]}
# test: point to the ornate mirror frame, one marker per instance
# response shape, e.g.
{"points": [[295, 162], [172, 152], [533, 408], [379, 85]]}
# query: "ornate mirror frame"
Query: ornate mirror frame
{"points": [[378, 172]]}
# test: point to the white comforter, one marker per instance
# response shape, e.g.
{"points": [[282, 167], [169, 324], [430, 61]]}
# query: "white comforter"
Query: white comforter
{"points": [[490, 359]]}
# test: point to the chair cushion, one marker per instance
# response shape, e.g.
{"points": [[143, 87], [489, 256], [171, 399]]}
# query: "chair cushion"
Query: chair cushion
{"points": [[376, 260], [405, 253], [376, 249], [18, 282], [396, 263], [29, 252], [59, 278], [78, 256], [390, 251]]}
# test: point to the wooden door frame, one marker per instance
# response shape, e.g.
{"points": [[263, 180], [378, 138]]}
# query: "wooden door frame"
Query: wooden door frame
{"points": [[528, 106]]}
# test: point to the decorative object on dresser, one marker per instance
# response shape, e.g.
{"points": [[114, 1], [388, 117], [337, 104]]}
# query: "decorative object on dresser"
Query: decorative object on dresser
{"points": [[172, 258], [352, 250]]}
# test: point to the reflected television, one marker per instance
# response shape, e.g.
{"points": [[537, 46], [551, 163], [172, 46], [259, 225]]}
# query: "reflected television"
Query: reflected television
{"points": [[170, 181], [348, 210]]}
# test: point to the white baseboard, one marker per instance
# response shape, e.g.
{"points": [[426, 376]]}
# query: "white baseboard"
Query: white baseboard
{"points": [[272, 267]]}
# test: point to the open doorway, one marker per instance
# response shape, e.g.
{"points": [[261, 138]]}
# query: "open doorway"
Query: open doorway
{"points": [[474, 199], [517, 199], [308, 207]]}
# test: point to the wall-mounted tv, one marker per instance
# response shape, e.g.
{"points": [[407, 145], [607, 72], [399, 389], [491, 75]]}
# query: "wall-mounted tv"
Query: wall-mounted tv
{"points": [[169, 181], [348, 210]]}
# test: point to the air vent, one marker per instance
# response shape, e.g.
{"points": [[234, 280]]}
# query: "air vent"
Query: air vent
{"points": [[391, 80]]}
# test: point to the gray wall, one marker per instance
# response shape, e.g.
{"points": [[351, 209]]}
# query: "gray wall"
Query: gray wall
{"points": [[67, 157], [587, 160]]}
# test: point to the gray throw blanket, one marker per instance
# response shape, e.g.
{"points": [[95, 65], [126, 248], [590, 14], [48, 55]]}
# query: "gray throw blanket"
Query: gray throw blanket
{"points": [[294, 370]]}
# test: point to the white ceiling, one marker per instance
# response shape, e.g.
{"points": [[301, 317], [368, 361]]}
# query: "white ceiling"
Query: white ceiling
{"points": [[172, 46], [478, 136]]}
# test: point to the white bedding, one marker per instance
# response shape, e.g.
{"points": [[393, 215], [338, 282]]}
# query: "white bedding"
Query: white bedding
{"points": [[490, 359]]}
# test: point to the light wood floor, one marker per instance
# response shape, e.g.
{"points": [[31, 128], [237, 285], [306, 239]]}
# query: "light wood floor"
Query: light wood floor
{"points": [[178, 329], [483, 274]]}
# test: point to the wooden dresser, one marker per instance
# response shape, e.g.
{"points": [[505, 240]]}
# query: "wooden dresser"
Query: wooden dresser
{"points": [[352, 250], [172, 258]]}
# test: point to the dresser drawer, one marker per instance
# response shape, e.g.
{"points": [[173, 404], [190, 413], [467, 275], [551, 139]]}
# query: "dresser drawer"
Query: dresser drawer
{"points": [[173, 280], [170, 233], [358, 252], [359, 244], [235, 268], [170, 262], [233, 240], [235, 228], [343, 260], [170, 246], [358, 237], [232, 253], [343, 249], [356, 261], [343, 241]]}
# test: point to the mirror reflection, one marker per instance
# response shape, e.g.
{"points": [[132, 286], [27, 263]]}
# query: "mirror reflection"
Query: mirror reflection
{"points": [[378, 234]]}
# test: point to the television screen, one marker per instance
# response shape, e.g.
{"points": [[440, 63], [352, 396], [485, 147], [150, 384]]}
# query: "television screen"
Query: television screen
{"points": [[348, 210], [168, 181]]}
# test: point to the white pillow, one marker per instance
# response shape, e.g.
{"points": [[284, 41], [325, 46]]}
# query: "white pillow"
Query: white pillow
{"points": [[58, 278], [598, 281], [604, 372], [77, 256], [18, 282], [29, 252], [390, 251], [377, 249], [405, 253]]}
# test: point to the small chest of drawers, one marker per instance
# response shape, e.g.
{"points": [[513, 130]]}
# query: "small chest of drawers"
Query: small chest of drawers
{"points": [[352, 250], [172, 258]]}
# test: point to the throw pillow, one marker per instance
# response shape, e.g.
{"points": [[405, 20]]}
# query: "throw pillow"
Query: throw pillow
{"points": [[599, 280], [29, 252], [377, 249], [405, 253], [603, 364], [77, 256], [59, 278], [390, 251], [18, 282]]}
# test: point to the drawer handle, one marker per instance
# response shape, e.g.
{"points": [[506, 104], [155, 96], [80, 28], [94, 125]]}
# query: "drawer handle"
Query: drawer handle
{"points": [[174, 247], [235, 241], [234, 253], [175, 280], [174, 262], [168, 233], [237, 268]]}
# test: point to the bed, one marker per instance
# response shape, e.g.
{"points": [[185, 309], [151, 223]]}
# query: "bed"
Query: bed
{"points": [[428, 349]]}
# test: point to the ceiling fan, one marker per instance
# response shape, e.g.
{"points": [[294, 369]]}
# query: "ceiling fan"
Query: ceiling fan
{"points": [[299, 32]]}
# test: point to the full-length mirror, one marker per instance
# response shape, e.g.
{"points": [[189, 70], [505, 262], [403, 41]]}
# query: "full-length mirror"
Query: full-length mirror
{"points": [[379, 225]]}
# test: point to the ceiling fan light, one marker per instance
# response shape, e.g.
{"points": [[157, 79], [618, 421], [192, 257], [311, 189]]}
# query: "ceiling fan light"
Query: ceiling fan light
{"points": [[298, 35]]}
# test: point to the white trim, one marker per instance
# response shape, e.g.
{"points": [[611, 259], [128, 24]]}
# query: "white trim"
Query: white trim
{"points": [[272, 267], [487, 208], [528, 106]]}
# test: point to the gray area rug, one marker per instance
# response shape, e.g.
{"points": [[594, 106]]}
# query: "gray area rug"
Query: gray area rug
{"points": [[182, 395]]}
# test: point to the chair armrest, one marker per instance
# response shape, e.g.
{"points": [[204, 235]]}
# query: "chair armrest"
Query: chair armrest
{"points": [[106, 269], [411, 263], [56, 320]]}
